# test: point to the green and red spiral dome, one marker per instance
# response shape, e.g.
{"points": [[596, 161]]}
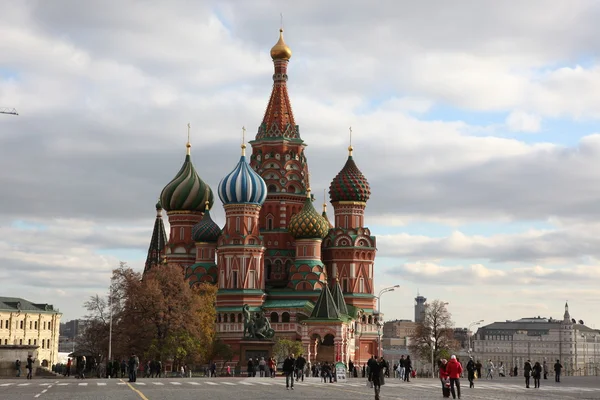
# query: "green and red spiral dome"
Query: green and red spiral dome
{"points": [[186, 192], [350, 184]]}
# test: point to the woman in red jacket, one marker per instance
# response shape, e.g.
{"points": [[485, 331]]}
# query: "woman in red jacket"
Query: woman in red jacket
{"points": [[444, 378], [454, 369]]}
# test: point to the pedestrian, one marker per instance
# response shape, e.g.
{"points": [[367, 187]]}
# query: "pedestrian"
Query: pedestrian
{"points": [[272, 365], [478, 367], [123, 368], [250, 367], [68, 369], [407, 369], [557, 370], [289, 365], [537, 373], [545, 368], [527, 372], [454, 370], [376, 376], [350, 368], [300, 364], [401, 368], [444, 378], [490, 370], [262, 367], [82, 367], [18, 368], [501, 370], [471, 372], [134, 364]]}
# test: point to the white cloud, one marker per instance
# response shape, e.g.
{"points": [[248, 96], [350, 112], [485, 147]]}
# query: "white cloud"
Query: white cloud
{"points": [[519, 121]]}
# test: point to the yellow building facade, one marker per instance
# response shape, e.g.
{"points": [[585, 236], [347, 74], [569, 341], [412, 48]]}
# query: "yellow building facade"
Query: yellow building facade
{"points": [[23, 323]]}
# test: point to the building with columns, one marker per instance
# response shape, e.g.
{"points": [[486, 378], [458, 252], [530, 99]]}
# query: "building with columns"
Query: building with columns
{"points": [[540, 339], [311, 278]]}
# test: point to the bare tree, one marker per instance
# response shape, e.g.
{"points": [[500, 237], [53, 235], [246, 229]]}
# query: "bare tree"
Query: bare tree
{"points": [[434, 332]]}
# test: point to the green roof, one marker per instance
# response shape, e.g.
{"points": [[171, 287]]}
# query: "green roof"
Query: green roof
{"points": [[338, 298], [288, 304], [19, 304], [325, 309], [236, 309], [240, 291]]}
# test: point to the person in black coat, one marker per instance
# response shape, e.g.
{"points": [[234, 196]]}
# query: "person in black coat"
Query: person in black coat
{"points": [[471, 372], [527, 372], [289, 365], [537, 374], [376, 376]]}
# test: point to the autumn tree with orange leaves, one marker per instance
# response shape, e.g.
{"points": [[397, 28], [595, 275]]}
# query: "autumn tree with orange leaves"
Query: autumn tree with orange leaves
{"points": [[160, 317]]}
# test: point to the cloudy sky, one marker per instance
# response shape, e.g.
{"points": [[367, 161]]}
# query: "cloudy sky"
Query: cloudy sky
{"points": [[475, 122]]}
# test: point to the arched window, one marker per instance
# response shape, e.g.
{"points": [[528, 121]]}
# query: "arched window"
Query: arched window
{"points": [[370, 320], [225, 318], [274, 317], [218, 317], [232, 318], [240, 317], [268, 271], [181, 233], [328, 340], [285, 317]]}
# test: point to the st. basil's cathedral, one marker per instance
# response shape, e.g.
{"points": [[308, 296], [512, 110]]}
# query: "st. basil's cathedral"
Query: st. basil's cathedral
{"points": [[313, 280]]}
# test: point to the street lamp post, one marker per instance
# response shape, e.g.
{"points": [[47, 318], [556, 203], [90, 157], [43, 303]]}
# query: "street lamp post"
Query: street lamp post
{"points": [[469, 332], [110, 323], [379, 319]]}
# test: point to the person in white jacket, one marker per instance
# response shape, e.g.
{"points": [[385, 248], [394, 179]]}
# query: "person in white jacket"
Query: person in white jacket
{"points": [[490, 370]]}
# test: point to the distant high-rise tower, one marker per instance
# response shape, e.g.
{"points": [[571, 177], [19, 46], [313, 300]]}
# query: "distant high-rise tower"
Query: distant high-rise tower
{"points": [[419, 308]]}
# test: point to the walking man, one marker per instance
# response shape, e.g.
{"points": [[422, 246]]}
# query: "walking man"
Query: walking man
{"points": [[376, 376], [557, 369], [454, 369], [471, 372], [30, 367], [300, 364], [490, 370], [288, 369], [401, 368], [18, 368]]}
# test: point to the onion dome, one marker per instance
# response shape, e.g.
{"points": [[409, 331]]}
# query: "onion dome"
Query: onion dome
{"points": [[350, 184], [243, 185], [308, 223], [281, 51], [206, 230], [186, 192]]}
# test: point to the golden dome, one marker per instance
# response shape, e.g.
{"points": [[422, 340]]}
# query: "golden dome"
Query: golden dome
{"points": [[281, 51]]}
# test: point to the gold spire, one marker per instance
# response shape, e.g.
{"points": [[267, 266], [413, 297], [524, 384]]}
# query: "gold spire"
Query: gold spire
{"points": [[324, 201], [207, 205], [243, 140], [281, 51], [188, 145], [350, 148]]}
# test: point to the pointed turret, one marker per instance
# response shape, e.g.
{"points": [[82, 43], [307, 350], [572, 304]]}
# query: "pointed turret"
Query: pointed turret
{"points": [[567, 316], [325, 307], [278, 121], [158, 241], [338, 298]]}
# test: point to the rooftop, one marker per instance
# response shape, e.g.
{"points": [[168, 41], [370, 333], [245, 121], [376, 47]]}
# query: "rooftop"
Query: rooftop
{"points": [[19, 304]]}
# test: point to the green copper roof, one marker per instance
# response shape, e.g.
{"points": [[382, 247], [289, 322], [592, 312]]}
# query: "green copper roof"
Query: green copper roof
{"points": [[16, 304], [288, 304], [338, 298], [325, 307]]}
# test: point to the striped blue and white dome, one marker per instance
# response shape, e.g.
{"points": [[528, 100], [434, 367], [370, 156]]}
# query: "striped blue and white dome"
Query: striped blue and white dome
{"points": [[242, 185]]}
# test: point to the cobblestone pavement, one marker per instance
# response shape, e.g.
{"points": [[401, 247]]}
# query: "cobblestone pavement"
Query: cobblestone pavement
{"points": [[312, 388]]}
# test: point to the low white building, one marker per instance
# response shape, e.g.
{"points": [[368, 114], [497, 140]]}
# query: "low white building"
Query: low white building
{"points": [[539, 339], [23, 323]]}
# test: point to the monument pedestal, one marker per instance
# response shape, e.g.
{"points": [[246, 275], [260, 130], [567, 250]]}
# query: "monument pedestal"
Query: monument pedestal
{"points": [[252, 348]]}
